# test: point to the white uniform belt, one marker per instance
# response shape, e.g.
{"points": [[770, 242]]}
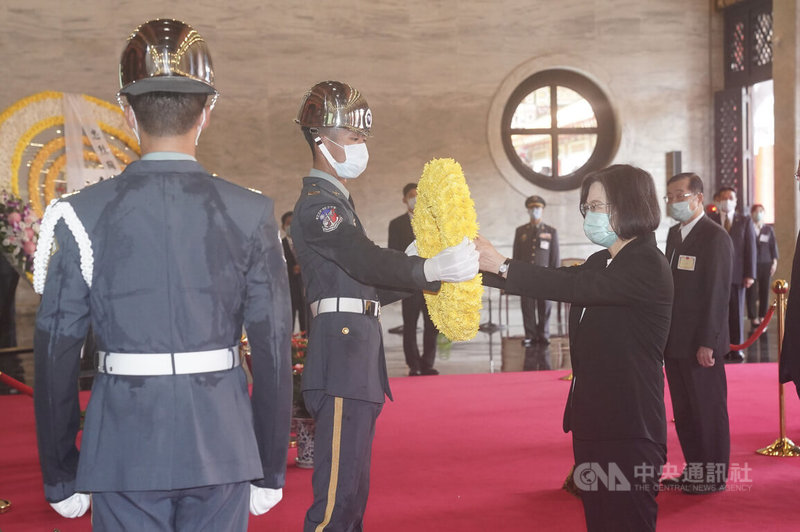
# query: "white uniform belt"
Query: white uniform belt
{"points": [[346, 304], [152, 364]]}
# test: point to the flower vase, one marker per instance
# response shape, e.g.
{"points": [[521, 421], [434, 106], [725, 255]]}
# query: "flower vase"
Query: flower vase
{"points": [[304, 432]]}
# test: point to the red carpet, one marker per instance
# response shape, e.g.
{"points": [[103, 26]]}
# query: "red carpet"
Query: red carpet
{"points": [[484, 453]]}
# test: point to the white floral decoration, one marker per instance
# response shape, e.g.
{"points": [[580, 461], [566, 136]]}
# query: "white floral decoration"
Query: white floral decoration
{"points": [[56, 211]]}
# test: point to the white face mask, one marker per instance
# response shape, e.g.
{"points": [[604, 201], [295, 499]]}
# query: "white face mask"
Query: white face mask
{"points": [[411, 203], [355, 162], [727, 205]]}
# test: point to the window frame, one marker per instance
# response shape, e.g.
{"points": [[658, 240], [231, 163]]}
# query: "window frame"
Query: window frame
{"points": [[606, 128]]}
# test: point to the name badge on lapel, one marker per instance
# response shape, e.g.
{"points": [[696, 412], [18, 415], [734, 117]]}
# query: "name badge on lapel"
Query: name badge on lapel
{"points": [[544, 244], [686, 262]]}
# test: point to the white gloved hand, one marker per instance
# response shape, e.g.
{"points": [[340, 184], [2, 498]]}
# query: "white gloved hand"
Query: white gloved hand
{"points": [[454, 264], [411, 250], [73, 506], [263, 499]]}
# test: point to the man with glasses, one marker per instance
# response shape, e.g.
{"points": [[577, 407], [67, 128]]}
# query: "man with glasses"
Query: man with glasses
{"points": [[700, 255]]}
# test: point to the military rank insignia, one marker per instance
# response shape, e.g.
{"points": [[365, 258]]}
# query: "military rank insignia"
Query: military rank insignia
{"points": [[328, 217]]}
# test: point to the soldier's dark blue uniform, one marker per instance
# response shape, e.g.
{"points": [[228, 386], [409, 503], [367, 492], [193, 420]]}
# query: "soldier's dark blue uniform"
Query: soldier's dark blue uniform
{"points": [[167, 263], [536, 243], [345, 378], [347, 277]]}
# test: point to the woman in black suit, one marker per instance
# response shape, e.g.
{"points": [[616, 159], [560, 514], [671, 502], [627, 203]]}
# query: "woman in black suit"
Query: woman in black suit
{"points": [[619, 322]]}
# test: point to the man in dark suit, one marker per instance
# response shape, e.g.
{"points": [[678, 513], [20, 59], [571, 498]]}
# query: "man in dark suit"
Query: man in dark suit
{"points": [[293, 269], [347, 278], [400, 236], [743, 235], [789, 367], [700, 254], [167, 263], [536, 243]]}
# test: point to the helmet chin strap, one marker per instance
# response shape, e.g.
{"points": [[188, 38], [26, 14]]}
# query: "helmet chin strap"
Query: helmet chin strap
{"points": [[200, 127], [135, 127]]}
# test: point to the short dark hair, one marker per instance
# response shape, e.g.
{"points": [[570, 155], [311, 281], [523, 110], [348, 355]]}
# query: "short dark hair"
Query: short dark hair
{"points": [[408, 188], [634, 209], [726, 189], [755, 207], [286, 215], [695, 183], [166, 114]]}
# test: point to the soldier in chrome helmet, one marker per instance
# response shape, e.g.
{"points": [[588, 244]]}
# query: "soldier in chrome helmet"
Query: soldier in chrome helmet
{"points": [[168, 263], [345, 377]]}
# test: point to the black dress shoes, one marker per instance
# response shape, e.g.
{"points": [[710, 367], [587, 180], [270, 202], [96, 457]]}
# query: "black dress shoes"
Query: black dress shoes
{"points": [[735, 356], [414, 373], [429, 371]]}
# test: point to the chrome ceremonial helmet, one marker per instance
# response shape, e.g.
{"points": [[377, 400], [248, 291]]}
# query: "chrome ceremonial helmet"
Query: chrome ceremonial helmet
{"points": [[166, 55], [335, 104]]}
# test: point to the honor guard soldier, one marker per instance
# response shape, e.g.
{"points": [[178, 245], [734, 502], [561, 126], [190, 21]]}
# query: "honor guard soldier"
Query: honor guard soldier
{"points": [[167, 263], [536, 243], [347, 278]]}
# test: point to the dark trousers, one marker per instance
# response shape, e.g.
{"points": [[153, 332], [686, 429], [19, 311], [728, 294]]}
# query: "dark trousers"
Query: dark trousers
{"points": [[700, 406], [343, 434], [618, 483], [736, 313], [223, 508], [413, 305], [535, 317], [759, 291], [299, 307], [10, 365]]}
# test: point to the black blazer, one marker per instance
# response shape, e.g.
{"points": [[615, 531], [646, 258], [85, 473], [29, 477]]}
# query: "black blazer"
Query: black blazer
{"points": [[743, 236], [400, 232], [702, 282], [789, 367], [619, 322]]}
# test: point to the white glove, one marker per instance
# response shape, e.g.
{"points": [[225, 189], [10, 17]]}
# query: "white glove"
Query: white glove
{"points": [[411, 250], [454, 264], [73, 506], [263, 499]]}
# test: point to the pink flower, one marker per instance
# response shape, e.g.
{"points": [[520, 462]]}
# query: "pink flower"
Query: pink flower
{"points": [[14, 218], [29, 219], [29, 247], [29, 234]]}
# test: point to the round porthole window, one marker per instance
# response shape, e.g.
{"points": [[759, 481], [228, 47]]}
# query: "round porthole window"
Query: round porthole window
{"points": [[557, 126]]}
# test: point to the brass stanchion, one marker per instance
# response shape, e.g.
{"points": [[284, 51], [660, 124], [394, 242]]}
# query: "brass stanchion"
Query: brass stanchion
{"points": [[783, 446]]}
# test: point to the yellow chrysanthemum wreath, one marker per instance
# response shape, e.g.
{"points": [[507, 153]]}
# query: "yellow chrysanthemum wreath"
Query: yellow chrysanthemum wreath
{"points": [[443, 215]]}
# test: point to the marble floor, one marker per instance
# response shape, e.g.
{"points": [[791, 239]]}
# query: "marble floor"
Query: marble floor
{"points": [[497, 347]]}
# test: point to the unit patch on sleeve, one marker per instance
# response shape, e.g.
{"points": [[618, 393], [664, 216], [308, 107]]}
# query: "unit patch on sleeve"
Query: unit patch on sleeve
{"points": [[329, 218]]}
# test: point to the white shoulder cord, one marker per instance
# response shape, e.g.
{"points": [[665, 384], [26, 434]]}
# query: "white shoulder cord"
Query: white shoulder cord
{"points": [[55, 211]]}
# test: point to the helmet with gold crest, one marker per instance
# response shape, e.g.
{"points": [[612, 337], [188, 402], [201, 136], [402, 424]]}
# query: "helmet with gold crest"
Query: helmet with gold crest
{"points": [[166, 55], [335, 104]]}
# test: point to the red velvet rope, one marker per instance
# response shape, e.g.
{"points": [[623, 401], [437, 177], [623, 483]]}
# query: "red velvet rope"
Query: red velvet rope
{"points": [[14, 383], [757, 332]]}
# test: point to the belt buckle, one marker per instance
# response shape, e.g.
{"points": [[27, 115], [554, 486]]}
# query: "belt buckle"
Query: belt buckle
{"points": [[371, 308]]}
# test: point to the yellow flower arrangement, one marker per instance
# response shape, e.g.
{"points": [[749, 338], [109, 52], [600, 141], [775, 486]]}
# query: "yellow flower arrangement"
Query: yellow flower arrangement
{"points": [[443, 215]]}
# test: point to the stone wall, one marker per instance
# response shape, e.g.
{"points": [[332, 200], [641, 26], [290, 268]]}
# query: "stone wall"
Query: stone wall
{"points": [[431, 70]]}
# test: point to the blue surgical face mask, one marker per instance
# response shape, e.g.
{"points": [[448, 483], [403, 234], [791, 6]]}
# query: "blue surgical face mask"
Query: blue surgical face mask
{"points": [[759, 216], [535, 213], [597, 228], [680, 211]]}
